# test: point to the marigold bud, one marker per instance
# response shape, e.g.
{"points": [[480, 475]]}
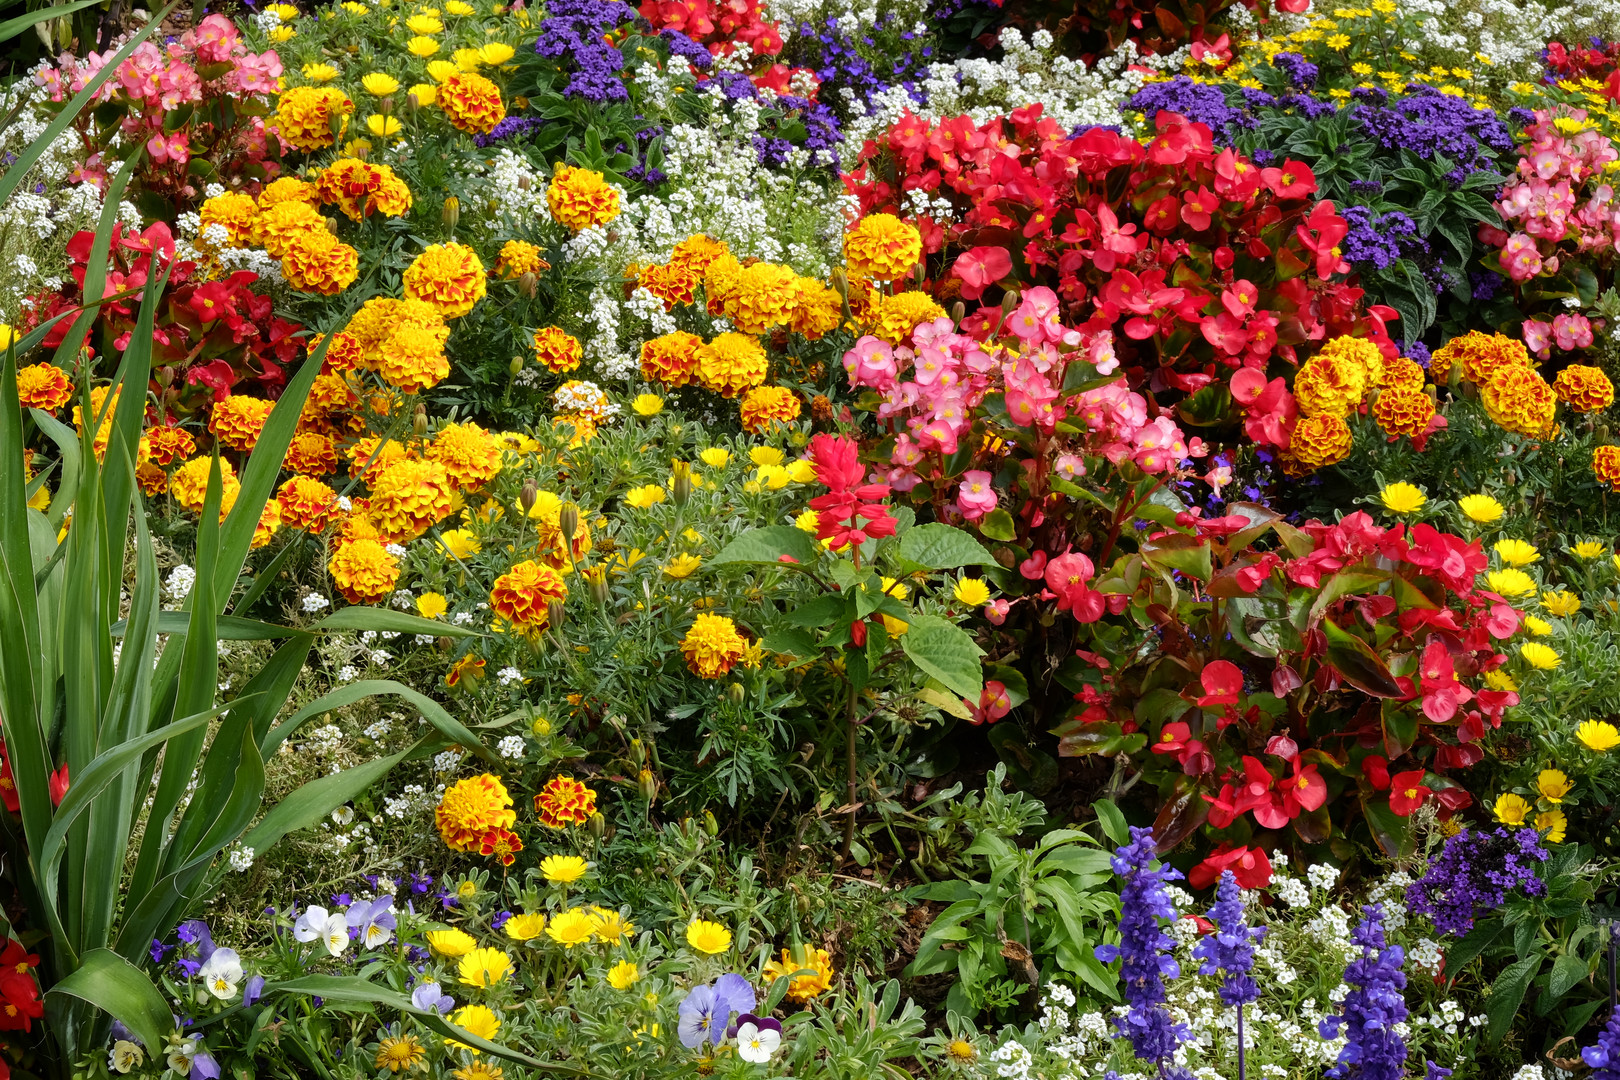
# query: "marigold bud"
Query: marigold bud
{"points": [[736, 693], [554, 615], [516, 366], [529, 284], [596, 582], [419, 424], [332, 225], [528, 494], [597, 824], [958, 312], [638, 752], [452, 212], [568, 522], [648, 783], [681, 482]]}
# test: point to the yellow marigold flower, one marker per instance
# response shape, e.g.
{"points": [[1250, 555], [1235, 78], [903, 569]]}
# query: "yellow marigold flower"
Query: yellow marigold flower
{"points": [[1518, 399], [682, 566], [1561, 603], [1510, 582], [363, 571], [472, 807], [581, 198], [557, 349], [1553, 785], [451, 943], [1510, 809], [1330, 384], [472, 103], [764, 406], [899, 314], [972, 591], [1554, 823], [1598, 735], [449, 277], [521, 595], [315, 261], [471, 455], [715, 457], [519, 257], [645, 496], [467, 59], [817, 309], [623, 975], [883, 247], [1517, 552], [304, 115], [1589, 549], [1497, 679], [805, 987], [708, 937], [1538, 627], [379, 84], [1480, 509], [525, 927], [1402, 498], [479, 1020], [424, 24], [572, 927], [713, 646], [281, 34], [1539, 656], [319, 73], [422, 46], [409, 496], [763, 297], [773, 477], [484, 967], [1585, 389], [189, 485], [766, 455], [283, 222], [671, 359], [1317, 442], [731, 363], [236, 213], [432, 605]]}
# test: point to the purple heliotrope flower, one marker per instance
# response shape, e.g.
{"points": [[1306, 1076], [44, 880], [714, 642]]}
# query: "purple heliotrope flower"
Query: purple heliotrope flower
{"points": [[706, 1010], [1230, 949], [1145, 948], [1473, 875], [1373, 1050]]}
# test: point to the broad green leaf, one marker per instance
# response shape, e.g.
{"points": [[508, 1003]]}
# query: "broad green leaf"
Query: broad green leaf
{"points": [[1507, 993], [768, 545], [309, 804], [1179, 551], [1357, 664], [1567, 972], [1112, 821], [227, 628], [943, 547], [947, 652], [120, 989], [999, 525]]}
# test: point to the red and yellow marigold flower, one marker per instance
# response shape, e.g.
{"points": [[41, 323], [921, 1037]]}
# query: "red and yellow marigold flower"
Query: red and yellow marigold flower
{"points": [[471, 102], [1585, 389], [521, 595], [731, 363], [471, 455], [363, 571], [43, 386], [565, 801], [1317, 442], [307, 504], [671, 359], [408, 496], [238, 419], [317, 262], [472, 807], [557, 349], [766, 405], [449, 277], [581, 198], [304, 115]]}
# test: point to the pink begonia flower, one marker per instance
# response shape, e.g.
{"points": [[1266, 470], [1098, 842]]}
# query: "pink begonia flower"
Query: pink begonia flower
{"points": [[981, 267], [996, 611], [1069, 466], [214, 39], [1572, 331], [871, 363], [975, 498], [258, 74], [171, 148]]}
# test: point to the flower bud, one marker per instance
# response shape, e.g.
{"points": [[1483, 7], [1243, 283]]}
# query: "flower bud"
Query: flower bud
{"points": [[597, 824], [596, 582], [1009, 300], [529, 284], [452, 212], [523, 183], [165, 376], [419, 425], [516, 366], [638, 752], [554, 615], [710, 825], [648, 783], [444, 644], [840, 282], [736, 693], [958, 312], [681, 482], [527, 496], [568, 522], [336, 121], [332, 225], [1434, 394]]}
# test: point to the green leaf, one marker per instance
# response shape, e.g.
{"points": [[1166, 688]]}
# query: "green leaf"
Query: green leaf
{"points": [[768, 545], [431, 711], [1567, 972], [790, 642], [388, 621], [1188, 554], [1112, 821], [946, 652], [821, 612], [1357, 664], [999, 525], [943, 547], [228, 628], [309, 804], [1393, 832], [121, 990], [1507, 993]]}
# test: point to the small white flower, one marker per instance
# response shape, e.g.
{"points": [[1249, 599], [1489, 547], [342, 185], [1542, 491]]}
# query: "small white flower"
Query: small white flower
{"points": [[343, 815], [756, 1044], [316, 602], [241, 859], [347, 673], [508, 675], [512, 747]]}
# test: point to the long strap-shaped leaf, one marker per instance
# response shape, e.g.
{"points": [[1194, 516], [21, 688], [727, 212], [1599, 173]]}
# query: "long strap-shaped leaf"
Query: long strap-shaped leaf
{"points": [[311, 802], [114, 985], [434, 713]]}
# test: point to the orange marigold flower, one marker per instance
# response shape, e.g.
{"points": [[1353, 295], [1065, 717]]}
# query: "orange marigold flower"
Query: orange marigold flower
{"points": [[238, 419], [472, 102], [721, 279], [345, 353], [671, 359], [581, 198], [287, 189], [233, 211], [330, 393], [269, 518], [767, 405], [898, 315], [280, 225], [317, 262], [1520, 400], [468, 667], [519, 257], [817, 311], [1481, 356], [363, 571], [408, 496], [883, 247], [557, 349], [313, 453], [1402, 373], [189, 484], [360, 456], [1330, 384], [1585, 389], [1403, 411], [564, 801], [763, 298], [412, 359], [731, 363], [43, 386], [359, 188], [471, 455], [472, 807], [713, 646], [448, 277], [165, 444], [698, 251], [307, 504], [153, 480], [520, 595], [304, 115], [1318, 441], [673, 282], [356, 524], [373, 322], [1606, 465]]}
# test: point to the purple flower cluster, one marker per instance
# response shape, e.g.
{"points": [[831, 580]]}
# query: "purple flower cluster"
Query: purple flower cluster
{"points": [[1428, 123], [1230, 949], [511, 127], [1382, 239], [1474, 873], [1199, 102], [1372, 1049], [572, 32], [1300, 71], [1145, 947], [684, 47], [839, 65], [1604, 1057]]}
